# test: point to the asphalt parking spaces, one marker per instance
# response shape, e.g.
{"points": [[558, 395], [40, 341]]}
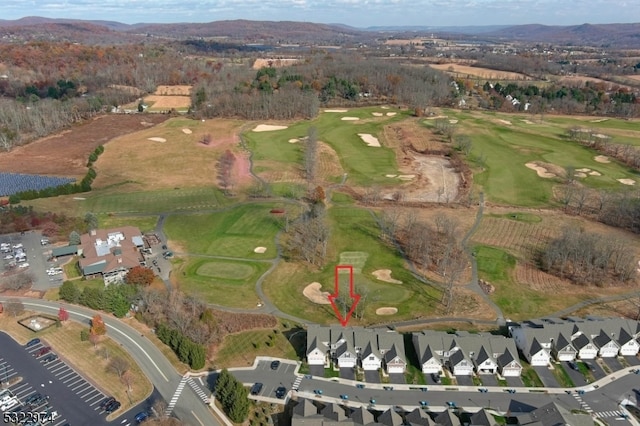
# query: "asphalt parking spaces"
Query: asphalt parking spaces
{"points": [[69, 394]]}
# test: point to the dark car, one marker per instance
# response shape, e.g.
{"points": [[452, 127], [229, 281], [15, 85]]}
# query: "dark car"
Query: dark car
{"points": [[451, 404], [281, 392], [423, 403], [344, 396], [141, 417], [573, 365], [108, 400], [436, 378], [32, 342], [113, 406], [49, 358], [37, 400], [43, 351], [164, 247], [256, 388], [483, 390], [30, 399], [275, 364], [511, 390]]}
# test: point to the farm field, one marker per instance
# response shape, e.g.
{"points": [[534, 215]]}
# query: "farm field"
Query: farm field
{"points": [[504, 143], [220, 281], [468, 71]]}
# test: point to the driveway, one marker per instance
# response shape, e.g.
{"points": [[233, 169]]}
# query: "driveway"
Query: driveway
{"points": [[576, 376], [397, 378], [514, 382], [464, 380], [347, 373], [489, 380], [597, 371], [546, 377], [613, 364], [431, 380], [632, 360], [371, 376], [316, 370]]}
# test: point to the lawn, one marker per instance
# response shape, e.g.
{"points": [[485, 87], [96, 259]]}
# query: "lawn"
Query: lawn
{"points": [[241, 349], [353, 230], [561, 376], [232, 232], [66, 342], [500, 152], [222, 282], [144, 223], [364, 164]]}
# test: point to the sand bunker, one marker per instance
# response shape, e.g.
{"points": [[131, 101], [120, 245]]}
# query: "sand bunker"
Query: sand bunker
{"points": [[157, 139], [349, 118], [268, 128], [391, 176], [259, 249], [406, 177], [377, 114], [580, 175], [505, 122], [583, 170], [452, 121], [436, 117], [385, 275], [384, 107], [602, 159], [294, 140], [527, 121], [187, 131], [627, 181], [542, 172], [594, 173], [386, 311], [391, 114], [335, 110], [313, 293], [369, 140], [599, 121]]}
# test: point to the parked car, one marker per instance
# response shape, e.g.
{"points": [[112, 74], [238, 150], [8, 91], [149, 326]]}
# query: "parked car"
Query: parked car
{"points": [[275, 364], [344, 397], [49, 358], [37, 400], [511, 390], [317, 391], [256, 388], [23, 265], [42, 351], [360, 386], [32, 342], [8, 257], [483, 390], [451, 404], [436, 378], [573, 365], [142, 416], [107, 401], [423, 403], [372, 401], [281, 392], [113, 406]]}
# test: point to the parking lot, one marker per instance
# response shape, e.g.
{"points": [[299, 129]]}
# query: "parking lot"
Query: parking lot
{"points": [[36, 255], [61, 388]]}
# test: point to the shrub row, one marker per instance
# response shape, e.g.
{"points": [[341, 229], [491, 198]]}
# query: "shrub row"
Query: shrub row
{"points": [[187, 350]]}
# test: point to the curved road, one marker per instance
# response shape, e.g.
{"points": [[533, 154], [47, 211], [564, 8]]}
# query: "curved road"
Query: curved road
{"points": [[153, 363]]}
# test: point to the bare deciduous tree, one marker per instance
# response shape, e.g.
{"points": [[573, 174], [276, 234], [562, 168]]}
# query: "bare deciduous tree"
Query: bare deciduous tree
{"points": [[311, 155], [225, 171], [118, 366], [14, 307]]}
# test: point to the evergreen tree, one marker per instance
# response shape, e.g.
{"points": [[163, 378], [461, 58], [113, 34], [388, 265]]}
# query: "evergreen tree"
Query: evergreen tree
{"points": [[69, 292], [239, 409], [74, 238]]}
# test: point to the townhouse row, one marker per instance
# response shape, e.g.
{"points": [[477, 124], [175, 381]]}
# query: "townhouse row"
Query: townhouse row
{"points": [[466, 354]]}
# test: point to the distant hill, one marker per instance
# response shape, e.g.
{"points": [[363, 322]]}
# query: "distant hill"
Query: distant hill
{"points": [[271, 32], [598, 35]]}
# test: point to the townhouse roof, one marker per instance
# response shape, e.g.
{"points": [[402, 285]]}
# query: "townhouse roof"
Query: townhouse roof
{"points": [[390, 418], [447, 418], [553, 414], [482, 418]]}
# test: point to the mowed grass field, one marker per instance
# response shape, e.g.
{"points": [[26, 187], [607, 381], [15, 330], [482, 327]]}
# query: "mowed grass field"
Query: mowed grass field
{"points": [[504, 143], [220, 281], [233, 232], [365, 165], [352, 230]]}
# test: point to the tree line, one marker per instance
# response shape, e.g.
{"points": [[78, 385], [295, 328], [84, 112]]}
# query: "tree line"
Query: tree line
{"points": [[589, 258], [188, 351], [233, 396]]}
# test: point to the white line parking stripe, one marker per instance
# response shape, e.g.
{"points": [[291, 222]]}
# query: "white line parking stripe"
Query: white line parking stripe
{"points": [[75, 381], [81, 387], [71, 379], [64, 375]]}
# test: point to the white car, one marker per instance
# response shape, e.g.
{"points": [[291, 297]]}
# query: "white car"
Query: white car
{"points": [[23, 265], [8, 257], [17, 246], [9, 404]]}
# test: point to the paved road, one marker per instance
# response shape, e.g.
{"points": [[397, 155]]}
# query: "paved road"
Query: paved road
{"points": [[190, 408], [603, 401]]}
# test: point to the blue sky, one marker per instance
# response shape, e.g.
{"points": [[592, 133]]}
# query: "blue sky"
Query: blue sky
{"points": [[358, 13]]}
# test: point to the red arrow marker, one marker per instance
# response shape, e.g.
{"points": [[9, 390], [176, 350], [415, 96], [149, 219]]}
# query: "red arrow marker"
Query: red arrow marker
{"points": [[355, 298]]}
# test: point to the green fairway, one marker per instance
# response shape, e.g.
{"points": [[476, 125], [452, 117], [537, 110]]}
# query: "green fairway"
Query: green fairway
{"points": [[233, 232], [364, 165], [354, 238], [223, 282], [144, 223], [501, 150], [168, 200]]}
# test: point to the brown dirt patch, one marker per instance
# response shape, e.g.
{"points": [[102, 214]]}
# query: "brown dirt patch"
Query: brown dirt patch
{"points": [[465, 70], [387, 310], [177, 90], [328, 165], [313, 293], [385, 275], [241, 169], [467, 304], [535, 279], [179, 162], [275, 63], [158, 102], [66, 153], [410, 135], [435, 180]]}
